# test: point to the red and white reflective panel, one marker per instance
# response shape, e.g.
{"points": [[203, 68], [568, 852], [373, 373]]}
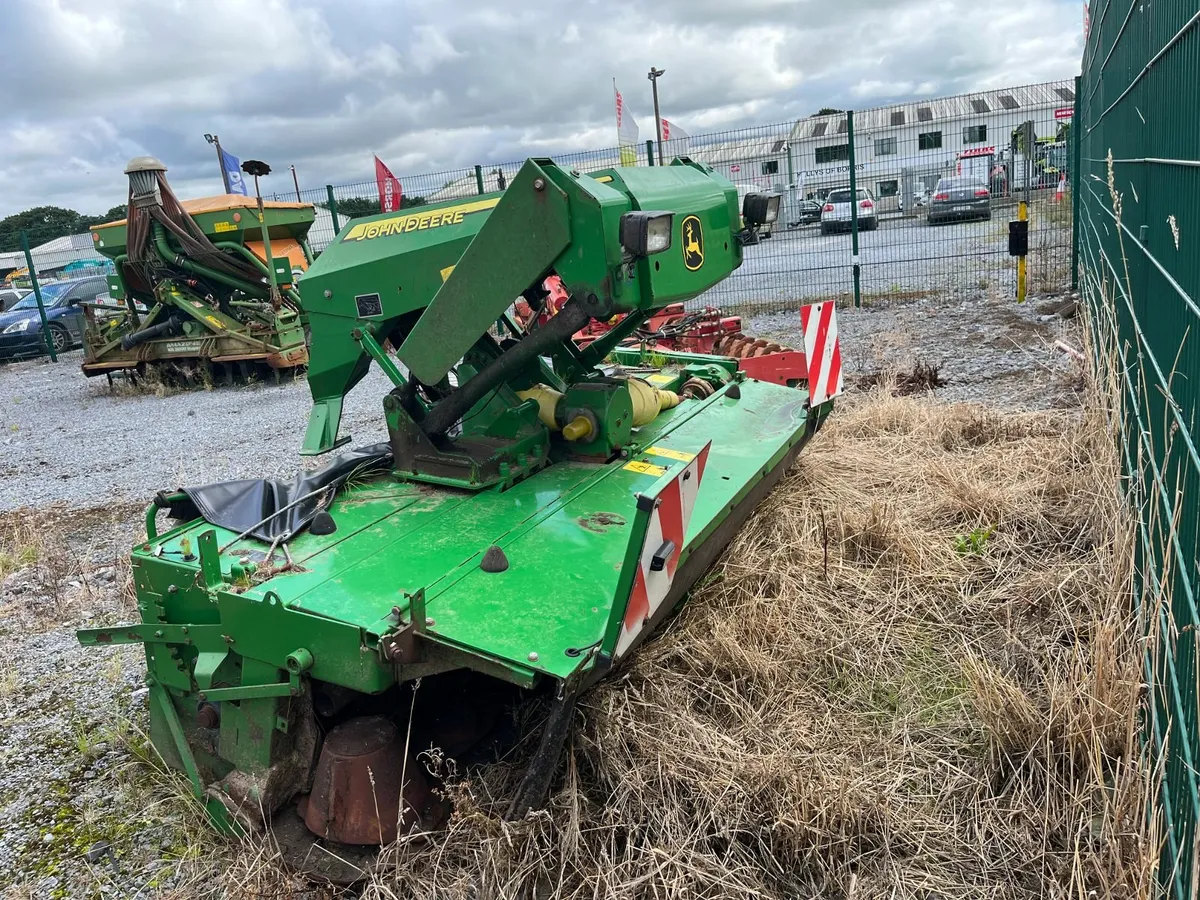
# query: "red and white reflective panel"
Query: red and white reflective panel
{"points": [[822, 350], [668, 522]]}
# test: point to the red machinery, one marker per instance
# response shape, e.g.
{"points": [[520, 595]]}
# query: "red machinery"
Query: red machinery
{"points": [[699, 331]]}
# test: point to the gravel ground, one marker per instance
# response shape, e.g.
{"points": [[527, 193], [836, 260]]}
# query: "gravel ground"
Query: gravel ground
{"points": [[64, 437], [61, 435], [84, 811], [987, 349]]}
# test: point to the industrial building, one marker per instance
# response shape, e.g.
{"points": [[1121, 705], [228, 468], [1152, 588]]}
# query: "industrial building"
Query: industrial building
{"points": [[914, 142]]}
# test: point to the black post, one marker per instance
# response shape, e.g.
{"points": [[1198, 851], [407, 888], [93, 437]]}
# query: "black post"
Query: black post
{"points": [[654, 75], [332, 204]]}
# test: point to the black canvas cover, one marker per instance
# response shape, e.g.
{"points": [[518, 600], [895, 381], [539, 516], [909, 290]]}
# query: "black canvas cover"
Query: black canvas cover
{"points": [[263, 506]]}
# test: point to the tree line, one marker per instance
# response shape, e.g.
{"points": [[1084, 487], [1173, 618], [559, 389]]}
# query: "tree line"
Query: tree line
{"points": [[45, 223], [357, 207]]}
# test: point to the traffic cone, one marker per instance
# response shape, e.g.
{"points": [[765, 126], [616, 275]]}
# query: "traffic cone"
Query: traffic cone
{"points": [[1062, 187]]}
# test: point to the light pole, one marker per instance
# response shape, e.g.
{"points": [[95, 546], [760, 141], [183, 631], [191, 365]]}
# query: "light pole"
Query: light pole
{"points": [[654, 75], [257, 168], [296, 182], [216, 142]]}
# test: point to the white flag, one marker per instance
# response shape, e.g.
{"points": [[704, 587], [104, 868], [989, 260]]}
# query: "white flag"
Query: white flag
{"points": [[627, 131], [676, 141]]}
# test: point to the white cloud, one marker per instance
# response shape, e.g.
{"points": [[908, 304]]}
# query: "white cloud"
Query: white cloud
{"points": [[434, 85]]}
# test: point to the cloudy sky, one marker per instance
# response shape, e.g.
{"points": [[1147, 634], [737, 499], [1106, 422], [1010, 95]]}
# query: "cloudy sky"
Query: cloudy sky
{"points": [[436, 84]]}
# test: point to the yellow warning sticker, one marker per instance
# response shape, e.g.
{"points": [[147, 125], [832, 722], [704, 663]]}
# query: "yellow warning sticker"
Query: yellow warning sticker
{"points": [[446, 273], [215, 322], [604, 179], [671, 454], [644, 468], [660, 378], [220, 227]]}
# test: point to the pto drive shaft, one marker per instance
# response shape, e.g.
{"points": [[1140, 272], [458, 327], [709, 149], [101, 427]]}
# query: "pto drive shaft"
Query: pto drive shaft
{"points": [[574, 314]]}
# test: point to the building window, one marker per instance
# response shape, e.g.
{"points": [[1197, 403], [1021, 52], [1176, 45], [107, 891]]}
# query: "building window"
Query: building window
{"points": [[930, 140], [833, 153], [770, 167], [975, 134], [885, 146], [887, 188]]}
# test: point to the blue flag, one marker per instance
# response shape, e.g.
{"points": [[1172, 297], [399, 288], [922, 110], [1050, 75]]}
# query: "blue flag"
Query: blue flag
{"points": [[233, 173]]}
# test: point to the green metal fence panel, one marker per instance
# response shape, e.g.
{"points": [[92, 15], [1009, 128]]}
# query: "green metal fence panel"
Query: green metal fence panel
{"points": [[1138, 222]]}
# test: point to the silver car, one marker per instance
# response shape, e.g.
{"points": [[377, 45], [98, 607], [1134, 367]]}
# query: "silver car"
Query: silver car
{"points": [[835, 214]]}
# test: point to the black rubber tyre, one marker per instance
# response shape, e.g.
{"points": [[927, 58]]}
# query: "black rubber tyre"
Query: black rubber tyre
{"points": [[60, 338]]}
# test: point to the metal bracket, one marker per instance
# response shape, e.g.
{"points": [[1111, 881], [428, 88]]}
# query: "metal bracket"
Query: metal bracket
{"points": [[401, 646], [299, 661], [216, 810], [210, 559], [289, 688], [148, 633], [366, 339]]}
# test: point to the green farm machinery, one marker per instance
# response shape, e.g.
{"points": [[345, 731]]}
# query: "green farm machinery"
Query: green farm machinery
{"points": [[537, 510], [204, 289]]}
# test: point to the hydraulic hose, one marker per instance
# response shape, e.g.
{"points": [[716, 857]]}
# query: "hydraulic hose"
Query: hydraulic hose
{"points": [[171, 258], [258, 263], [163, 329]]}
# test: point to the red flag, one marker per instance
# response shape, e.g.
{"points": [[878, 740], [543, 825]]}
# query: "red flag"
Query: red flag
{"points": [[389, 187]]}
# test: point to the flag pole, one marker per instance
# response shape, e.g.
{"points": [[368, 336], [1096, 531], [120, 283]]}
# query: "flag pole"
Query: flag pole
{"points": [[216, 142]]}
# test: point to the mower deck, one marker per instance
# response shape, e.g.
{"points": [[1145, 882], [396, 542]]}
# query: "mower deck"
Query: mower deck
{"points": [[565, 532]]}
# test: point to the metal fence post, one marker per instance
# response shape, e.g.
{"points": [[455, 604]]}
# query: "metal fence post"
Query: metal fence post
{"points": [[333, 208], [853, 211], [1074, 183], [479, 178], [37, 293], [650, 151]]}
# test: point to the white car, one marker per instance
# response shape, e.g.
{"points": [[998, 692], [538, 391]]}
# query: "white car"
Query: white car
{"points": [[835, 214], [920, 198]]}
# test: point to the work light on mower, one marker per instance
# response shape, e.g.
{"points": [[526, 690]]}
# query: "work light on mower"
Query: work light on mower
{"points": [[646, 232], [760, 209]]}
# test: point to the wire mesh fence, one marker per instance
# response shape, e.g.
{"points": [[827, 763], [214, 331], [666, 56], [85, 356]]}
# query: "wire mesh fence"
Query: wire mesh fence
{"points": [[41, 307], [937, 182], [1139, 211]]}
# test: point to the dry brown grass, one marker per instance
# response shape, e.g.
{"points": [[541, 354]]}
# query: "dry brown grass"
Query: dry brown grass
{"points": [[852, 704]]}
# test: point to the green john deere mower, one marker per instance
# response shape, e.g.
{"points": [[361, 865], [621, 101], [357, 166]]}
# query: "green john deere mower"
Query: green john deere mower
{"points": [[203, 290], [535, 513]]}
